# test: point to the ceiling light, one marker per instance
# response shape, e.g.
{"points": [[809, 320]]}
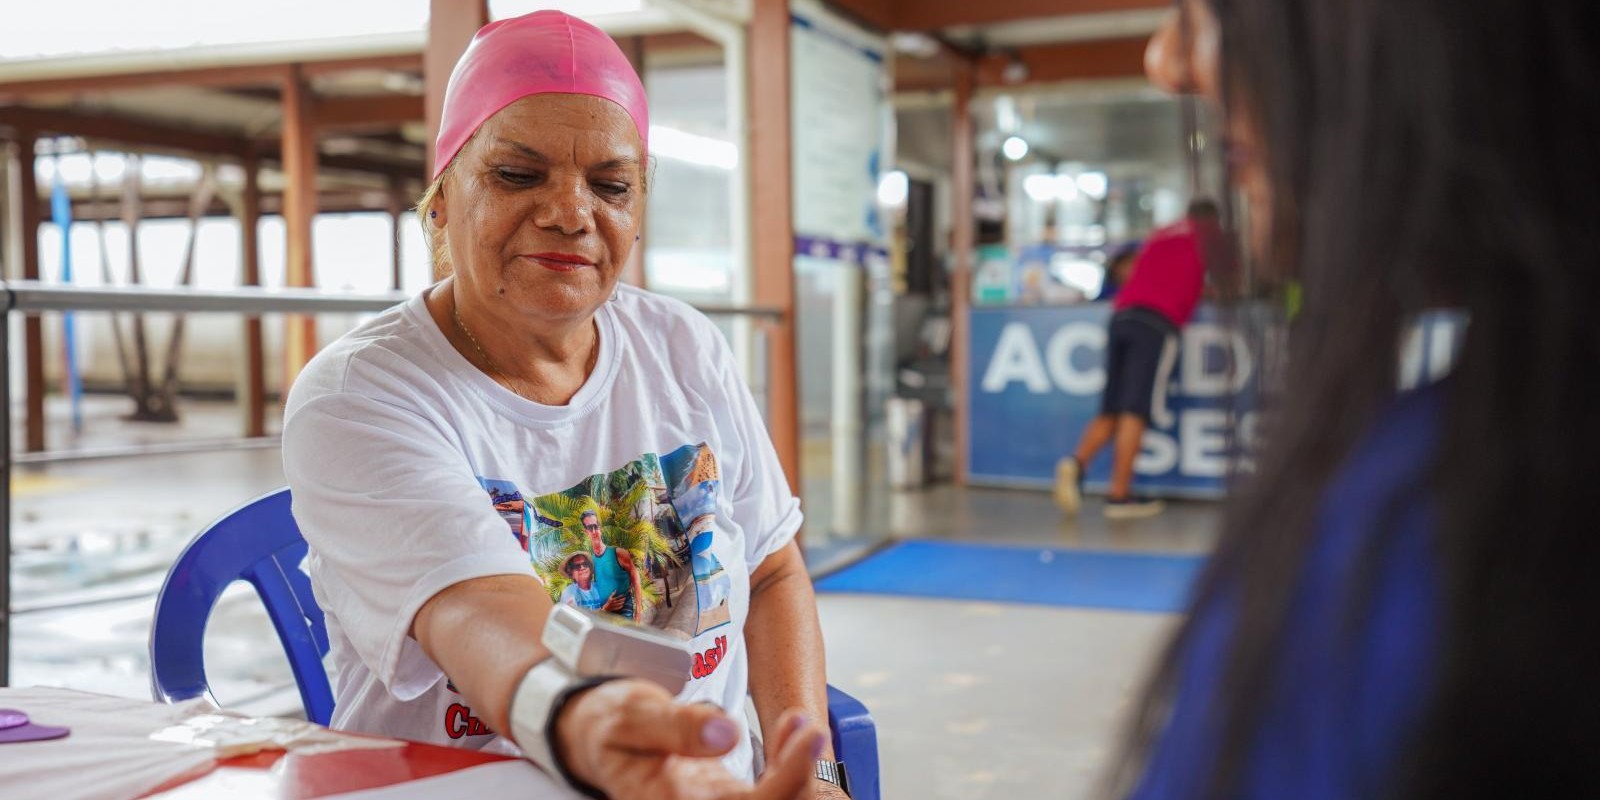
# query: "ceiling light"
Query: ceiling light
{"points": [[1015, 72], [917, 45], [1015, 148], [1094, 184], [1040, 188], [1046, 188], [893, 189]]}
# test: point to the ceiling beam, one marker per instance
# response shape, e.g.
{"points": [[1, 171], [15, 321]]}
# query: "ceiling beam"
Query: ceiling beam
{"points": [[365, 113], [152, 137], [929, 15], [255, 75], [1112, 58], [272, 153], [122, 129], [245, 75], [878, 14], [399, 62]]}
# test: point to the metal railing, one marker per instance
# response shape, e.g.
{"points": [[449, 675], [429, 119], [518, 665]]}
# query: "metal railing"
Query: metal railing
{"points": [[33, 298]]}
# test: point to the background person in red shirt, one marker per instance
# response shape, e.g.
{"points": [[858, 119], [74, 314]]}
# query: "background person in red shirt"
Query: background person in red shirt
{"points": [[1141, 349]]}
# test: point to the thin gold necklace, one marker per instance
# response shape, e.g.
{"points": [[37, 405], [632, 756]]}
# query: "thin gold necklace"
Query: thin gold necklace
{"points": [[504, 377], [455, 311], [499, 375]]}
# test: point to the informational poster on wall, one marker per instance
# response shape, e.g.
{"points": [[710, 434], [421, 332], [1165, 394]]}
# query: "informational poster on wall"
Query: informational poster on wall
{"points": [[841, 142], [839, 123]]}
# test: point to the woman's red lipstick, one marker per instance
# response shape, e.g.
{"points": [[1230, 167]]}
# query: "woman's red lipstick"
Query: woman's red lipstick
{"points": [[560, 262]]}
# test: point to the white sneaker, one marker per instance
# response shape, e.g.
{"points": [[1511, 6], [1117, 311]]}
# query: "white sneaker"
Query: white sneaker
{"points": [[1069, 485]]}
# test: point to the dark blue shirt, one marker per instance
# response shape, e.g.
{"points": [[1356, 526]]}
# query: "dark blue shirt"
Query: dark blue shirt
{"points": [[1346, 696]]}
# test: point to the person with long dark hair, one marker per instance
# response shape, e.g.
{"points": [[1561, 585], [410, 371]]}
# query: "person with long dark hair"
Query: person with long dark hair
{"points": [[1403, 602]]}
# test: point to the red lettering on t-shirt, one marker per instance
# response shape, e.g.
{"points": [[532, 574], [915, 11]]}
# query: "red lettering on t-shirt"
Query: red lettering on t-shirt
{"points": [[459, 722], [455, 720], [706, 663]]}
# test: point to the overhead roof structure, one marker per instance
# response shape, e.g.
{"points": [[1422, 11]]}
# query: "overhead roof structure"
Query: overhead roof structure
{"points": [[341, 124], [366, 94], [365, 105]]}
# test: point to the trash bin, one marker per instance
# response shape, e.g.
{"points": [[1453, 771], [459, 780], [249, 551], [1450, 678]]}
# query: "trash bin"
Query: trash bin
{"points": [[906, 420]]}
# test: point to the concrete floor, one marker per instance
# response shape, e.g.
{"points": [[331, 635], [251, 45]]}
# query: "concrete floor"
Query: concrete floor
{"points": [[980, 701], [972, 700]]}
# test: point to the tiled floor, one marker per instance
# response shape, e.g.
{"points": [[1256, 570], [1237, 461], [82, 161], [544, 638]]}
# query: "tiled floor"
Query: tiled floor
{"points": [[972, 700]]}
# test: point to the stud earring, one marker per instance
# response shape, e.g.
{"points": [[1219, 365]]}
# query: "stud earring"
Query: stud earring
{"points": [[433, 215]]}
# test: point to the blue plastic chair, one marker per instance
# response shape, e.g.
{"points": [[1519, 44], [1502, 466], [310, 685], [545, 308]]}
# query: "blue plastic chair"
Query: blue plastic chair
{"points": [[855, 742], [260, 543]]}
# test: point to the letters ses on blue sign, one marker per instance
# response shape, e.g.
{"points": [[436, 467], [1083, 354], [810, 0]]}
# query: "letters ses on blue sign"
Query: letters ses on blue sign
{"points": [[1037, 375]]}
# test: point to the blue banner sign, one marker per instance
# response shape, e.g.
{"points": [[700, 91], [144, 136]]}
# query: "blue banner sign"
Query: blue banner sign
{"points": [[1035, 382]]}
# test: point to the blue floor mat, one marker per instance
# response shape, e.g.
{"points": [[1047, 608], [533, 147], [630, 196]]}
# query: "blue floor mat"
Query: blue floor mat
{"points": [[1029, 575]]}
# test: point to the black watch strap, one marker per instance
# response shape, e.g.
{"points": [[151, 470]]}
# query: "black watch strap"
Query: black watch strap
{"points": [[560, 703], [834, 772]]}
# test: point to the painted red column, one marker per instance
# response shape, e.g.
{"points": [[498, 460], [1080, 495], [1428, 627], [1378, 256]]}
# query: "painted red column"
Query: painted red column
{"points": [[32, 326], [451, 24], [299, 212], [772, 221], [254, 384]]}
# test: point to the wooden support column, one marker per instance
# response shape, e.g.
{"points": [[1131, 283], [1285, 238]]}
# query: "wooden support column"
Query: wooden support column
{"points": [[772, 221], [299, 211], [962, 243], [252, 388], [27, 200], [451, 25]]}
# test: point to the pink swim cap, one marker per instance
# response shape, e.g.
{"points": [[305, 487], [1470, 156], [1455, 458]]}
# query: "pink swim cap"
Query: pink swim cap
{"points": [[546, 52]]}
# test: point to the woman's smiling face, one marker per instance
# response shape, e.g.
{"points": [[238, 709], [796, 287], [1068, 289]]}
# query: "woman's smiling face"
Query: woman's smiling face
{"points": [[542, 207]]}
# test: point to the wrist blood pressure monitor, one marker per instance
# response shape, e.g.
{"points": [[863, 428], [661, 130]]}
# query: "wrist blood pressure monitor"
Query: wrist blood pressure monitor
{"points": [[588, 649], [590, 645]]}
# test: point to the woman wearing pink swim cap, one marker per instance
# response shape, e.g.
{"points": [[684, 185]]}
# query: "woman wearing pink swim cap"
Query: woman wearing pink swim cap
{"points": [[449, 457]]}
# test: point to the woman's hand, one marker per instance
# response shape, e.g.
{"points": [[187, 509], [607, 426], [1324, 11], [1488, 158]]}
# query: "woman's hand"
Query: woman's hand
{"points": [[630, 739]]}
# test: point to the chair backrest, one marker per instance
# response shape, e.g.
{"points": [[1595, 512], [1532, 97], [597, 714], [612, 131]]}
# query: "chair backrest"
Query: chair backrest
{"points": [[260, 544], [855, 742]]}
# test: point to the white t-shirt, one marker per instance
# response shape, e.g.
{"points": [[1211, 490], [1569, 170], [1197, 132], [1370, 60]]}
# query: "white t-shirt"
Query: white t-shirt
{"points": [[412, 470]]}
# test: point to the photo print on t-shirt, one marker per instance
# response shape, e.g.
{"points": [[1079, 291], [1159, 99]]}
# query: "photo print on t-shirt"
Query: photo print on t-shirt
{"points": [[508, 502], [635, 542]]}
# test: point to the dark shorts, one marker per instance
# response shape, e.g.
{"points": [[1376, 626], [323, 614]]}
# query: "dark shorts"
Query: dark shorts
{"points": [[1141, 349]]}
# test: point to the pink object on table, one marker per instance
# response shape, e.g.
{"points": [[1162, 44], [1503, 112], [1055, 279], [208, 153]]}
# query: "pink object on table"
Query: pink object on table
{"points": [[546, 52]]}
